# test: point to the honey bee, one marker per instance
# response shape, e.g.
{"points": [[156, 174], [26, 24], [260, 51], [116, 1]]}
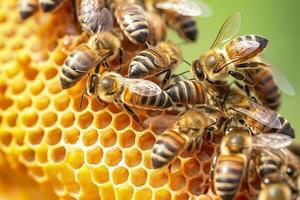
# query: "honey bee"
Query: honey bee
{"points": [[132, 20], [157, 28], [256, 116], [155, 61], [27, 8], [100, 48], [111, 87], [180, 14], [49, 5], [187, 92], [187, 134], [267, 83], [226, 55], [230, 167]]}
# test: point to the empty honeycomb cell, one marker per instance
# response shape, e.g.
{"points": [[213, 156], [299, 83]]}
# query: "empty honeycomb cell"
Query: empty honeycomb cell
{"points": [[9, 32], [108, 137], [49, 119], [85, 120], [54, 136], [23, 58], [3, 85], [158, 179], [100, 174], [119, 175], [41, 155], [5, 102], [75, 157], [18, 86], [195, 184], [19, 135], [37, 172], [30, 73], [16, 45], [94, 156], [28, 155], [71, 136], [42, 102], [147, 160], [138, 177], [206, 167], [37, 87], [162, 194], [175, 165], [35, 136], [124, 192], [121, 121], [57, 154], [146, 141], [143, 194], [11, 119], [113, 108], [191, 167], [182, 196], [5, 138], [113, 156], [54, 87], [67, 119], [177, 181], [206, 152], [50, 72], [23, 101], [127, 139], [96, 105], [83, 106], [103, 120], [61, 102], [107, 192], [29, 117], [90, 137], [11, 70], [58, 57], [133, 157]]}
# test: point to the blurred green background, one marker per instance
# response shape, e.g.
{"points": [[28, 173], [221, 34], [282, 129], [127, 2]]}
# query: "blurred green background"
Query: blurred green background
{"points": [[278, 21]]}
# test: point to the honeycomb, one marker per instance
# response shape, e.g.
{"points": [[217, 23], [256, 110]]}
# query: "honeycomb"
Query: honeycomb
{"points": [[51, 149]]}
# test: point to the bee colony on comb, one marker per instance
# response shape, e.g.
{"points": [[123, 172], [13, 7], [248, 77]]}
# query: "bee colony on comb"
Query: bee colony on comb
{"points": [[91, 106]]}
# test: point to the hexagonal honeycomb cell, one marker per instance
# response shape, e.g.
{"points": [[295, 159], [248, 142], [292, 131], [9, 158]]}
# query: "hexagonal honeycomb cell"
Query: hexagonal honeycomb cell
{"points": [[93, 152]]}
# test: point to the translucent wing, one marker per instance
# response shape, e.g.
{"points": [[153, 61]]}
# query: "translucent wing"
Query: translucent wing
{"points": [[141, 87], [261, 114], [186, 7], [105, 21], [159, 60], [282, 82], [162, 121], [230, 27], [271, 140]]}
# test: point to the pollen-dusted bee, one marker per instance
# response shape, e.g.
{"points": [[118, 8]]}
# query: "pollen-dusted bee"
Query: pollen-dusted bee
{"points": [[230, 167], [180, 14], [256, 116], [132, 20], [27, 8], [155, 60], [219, 62], [157, 28], [187, 134], [49, 5], [100, 48], [111, 87], [266, 82]]}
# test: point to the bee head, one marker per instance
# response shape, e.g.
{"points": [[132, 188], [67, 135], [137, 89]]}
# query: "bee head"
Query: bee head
{"points": [[236, 143], [107, 84]]}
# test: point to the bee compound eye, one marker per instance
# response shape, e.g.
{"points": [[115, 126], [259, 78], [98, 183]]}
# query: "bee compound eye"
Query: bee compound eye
{"points": [[291, 171]]}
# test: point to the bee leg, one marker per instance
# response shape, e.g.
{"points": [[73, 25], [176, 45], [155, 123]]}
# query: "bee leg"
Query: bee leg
{"points": [[106, 65], [121, 56], [103, 102], [134, 116], [237, 75], [167, 77], [97, 69], [212, 171], [81, 98]]}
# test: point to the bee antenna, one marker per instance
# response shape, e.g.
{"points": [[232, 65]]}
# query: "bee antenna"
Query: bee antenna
{"points": [[81, 98], [186, 62]]}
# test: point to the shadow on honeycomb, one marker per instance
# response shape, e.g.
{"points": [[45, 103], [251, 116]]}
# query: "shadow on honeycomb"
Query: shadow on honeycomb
{"points": [[52, 150]]}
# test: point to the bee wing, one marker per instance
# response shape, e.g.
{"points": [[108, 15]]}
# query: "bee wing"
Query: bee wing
{"points": [[141, 87], [271, 140], [261, 114], [230, 27], [162, 121], [105, 21], [186, 7], [282, 82], [92, 62], [158, 59]]}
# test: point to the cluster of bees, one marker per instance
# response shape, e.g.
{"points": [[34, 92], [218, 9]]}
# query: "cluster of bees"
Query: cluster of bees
{"points": [[243, 113]]}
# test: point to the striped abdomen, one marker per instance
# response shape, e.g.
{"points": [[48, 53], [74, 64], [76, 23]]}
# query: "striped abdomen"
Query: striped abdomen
{"points": [[27, 8], [49, 5], [160, 101], [187, 92], [185, 26], [265, 87], [267, 164], [144, 64], [236, 49], [89, 16], [228, 176], [132, 20], [77, 65], [168, 145]]}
